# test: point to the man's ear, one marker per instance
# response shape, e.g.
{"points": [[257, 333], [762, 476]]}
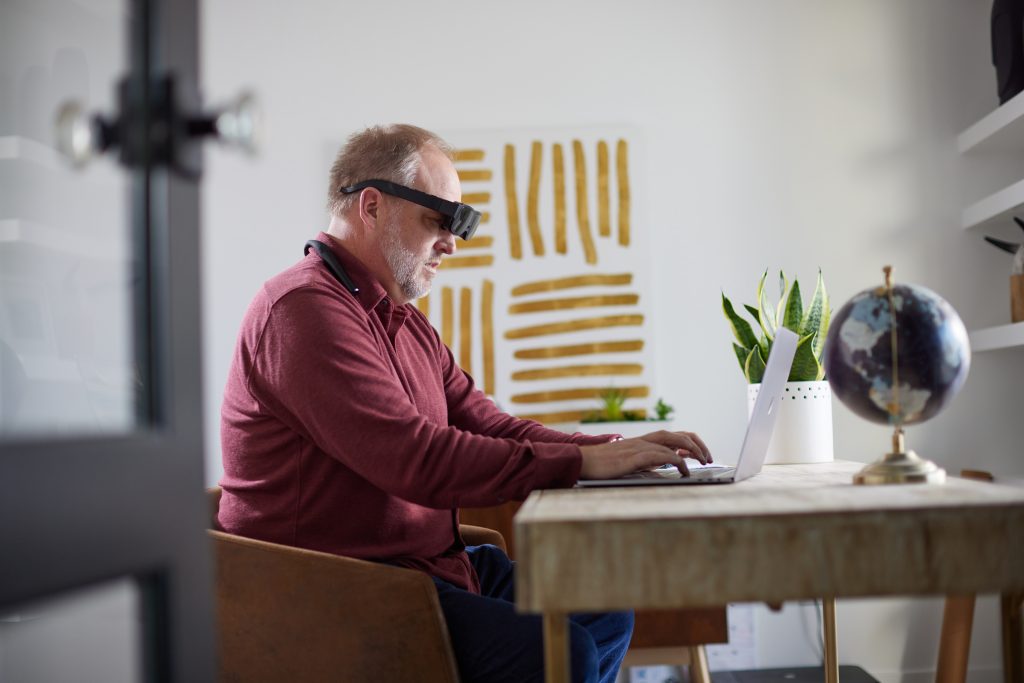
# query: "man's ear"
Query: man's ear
{"points": [[369, 206]]}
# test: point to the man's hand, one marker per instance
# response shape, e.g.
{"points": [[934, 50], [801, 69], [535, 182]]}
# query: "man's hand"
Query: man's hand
{"points": [[617, 458]]}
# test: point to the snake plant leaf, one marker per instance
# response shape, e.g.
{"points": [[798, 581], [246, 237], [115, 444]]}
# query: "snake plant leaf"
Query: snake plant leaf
{"points": [[740, 327], [754, 367], [763, 342], [817, 316], [767, 316], [794, 309], [820, 339], [821, 366], [817, 356], [783, 286], [805, 366], [741, 356]]}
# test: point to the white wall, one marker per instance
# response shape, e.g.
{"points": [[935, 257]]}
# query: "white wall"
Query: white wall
{"points": [[792, 134]]}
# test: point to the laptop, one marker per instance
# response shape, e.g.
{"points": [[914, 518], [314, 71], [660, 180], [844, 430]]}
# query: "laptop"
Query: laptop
{"points": [[755, 441]]}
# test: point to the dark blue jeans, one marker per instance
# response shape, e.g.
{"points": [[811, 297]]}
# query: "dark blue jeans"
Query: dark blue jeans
{"points": [[493, 643]]}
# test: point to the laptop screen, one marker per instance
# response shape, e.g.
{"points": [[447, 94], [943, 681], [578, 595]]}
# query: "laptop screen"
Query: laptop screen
{"points": [[766, 406], [755, 441]]}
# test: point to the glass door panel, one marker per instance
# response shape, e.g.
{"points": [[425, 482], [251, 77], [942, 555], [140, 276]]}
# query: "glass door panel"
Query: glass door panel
{"points": [[67, 281], [92, 635]]}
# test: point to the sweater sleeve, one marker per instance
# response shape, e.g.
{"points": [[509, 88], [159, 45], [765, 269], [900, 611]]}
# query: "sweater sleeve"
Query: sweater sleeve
{"points": [[319, 368]]}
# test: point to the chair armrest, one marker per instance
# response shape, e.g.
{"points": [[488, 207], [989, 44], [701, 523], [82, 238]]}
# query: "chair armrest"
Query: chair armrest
{"points": [[289, 614], [478, 535], [213, 499]]}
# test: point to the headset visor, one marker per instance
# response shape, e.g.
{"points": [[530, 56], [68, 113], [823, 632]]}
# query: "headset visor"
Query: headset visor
{"points": [[460, 219]]}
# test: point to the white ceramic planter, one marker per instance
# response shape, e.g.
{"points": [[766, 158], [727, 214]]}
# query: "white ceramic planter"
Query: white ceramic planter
{"points": [[627, 429], [803, 428]]}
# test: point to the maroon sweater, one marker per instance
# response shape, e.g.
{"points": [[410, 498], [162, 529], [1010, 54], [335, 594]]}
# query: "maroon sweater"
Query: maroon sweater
{"points": [[347, 427]]}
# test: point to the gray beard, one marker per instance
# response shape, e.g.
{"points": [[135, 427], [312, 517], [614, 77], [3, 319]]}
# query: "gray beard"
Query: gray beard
{"points": [[404, 265]]}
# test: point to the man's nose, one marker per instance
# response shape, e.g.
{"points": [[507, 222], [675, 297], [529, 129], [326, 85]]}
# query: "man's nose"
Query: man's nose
{"points": [[446, 243]]}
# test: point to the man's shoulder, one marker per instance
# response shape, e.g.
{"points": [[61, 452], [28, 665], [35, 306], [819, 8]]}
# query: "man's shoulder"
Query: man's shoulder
{"points": [[307, 279], [304, 290], [302, 275]]}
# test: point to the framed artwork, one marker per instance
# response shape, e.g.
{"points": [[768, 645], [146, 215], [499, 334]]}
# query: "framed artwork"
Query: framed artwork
{"points": [[549, 304]]}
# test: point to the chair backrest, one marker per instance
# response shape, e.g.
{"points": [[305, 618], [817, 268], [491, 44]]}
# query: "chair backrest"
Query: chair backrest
{"points": [[300, 615]]}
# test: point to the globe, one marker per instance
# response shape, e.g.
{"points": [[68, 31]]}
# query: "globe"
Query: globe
{"points": [[933, 354]]}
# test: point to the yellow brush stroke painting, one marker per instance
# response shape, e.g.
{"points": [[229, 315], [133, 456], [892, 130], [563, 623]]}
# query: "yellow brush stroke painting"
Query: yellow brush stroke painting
{"points": [[468, 155], [580, 371], [574, 302], [574, 326], [580, 349], [467, 261], [570, 282], [575, 394]]}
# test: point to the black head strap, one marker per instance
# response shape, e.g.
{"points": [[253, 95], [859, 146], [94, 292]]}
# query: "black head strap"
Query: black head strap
{"points": [[332, 263]]}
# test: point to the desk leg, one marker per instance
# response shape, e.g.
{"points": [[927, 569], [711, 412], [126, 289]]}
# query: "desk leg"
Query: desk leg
{"points": [[1013, 632], [831, 658], [699, 665], [955, 641], [556, 647]]}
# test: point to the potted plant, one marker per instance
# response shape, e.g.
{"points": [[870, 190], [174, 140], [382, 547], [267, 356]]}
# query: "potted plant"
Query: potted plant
{"points": [[612, 418], [803, 427]]}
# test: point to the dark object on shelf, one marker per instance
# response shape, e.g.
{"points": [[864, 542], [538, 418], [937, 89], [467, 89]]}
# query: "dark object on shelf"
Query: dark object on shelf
{"points": [[803, 674], [1009, 247], [1008, 46]]}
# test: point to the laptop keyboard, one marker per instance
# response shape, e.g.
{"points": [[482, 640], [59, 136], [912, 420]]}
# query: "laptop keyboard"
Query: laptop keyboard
{"points": [[712, 472], [670, 472]]}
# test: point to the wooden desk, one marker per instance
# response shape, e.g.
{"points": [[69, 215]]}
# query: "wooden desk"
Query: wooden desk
{"points": [[794, 532]]}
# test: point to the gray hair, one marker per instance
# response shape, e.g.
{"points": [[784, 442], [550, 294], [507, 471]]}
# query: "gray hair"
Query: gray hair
{"points": [[382, 152]]}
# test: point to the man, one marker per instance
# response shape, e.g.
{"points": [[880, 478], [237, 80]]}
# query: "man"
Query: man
{"points": [[347, 426]]}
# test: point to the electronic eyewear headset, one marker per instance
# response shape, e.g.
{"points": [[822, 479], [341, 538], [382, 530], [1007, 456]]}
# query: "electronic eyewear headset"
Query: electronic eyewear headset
{"points": [[460, 219]]}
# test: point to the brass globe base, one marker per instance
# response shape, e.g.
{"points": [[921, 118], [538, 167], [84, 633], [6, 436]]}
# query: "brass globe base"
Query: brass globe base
{"points": [[901, 468]]}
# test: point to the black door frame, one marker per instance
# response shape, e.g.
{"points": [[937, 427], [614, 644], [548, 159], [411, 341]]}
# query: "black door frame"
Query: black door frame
{"points": [[80, 511]]}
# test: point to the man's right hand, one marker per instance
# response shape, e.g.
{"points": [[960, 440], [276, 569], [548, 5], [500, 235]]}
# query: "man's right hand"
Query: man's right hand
{"points": [[618, 458]]}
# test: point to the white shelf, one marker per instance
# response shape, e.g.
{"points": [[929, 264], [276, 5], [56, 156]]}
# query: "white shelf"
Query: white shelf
{"points": [[1000, 131], [995, 210], [1001, 337]]}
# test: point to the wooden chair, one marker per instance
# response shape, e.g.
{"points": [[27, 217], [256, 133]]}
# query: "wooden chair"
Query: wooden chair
{"points": [[673, 637], [288, 614]]}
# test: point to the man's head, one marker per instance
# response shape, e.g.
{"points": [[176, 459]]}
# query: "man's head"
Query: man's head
{"points": [[399, 240]]}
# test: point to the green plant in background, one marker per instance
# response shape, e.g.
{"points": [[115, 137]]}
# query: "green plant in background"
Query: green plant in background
{"points": [[663, 410], [612, 400], [811, 325]]}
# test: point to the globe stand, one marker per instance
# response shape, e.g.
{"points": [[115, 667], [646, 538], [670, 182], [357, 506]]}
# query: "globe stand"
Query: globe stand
{"points": [[901, 467]]}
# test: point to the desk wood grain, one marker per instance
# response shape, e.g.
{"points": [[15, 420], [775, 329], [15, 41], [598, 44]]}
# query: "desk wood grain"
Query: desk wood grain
{"points": [[793, 532]]}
